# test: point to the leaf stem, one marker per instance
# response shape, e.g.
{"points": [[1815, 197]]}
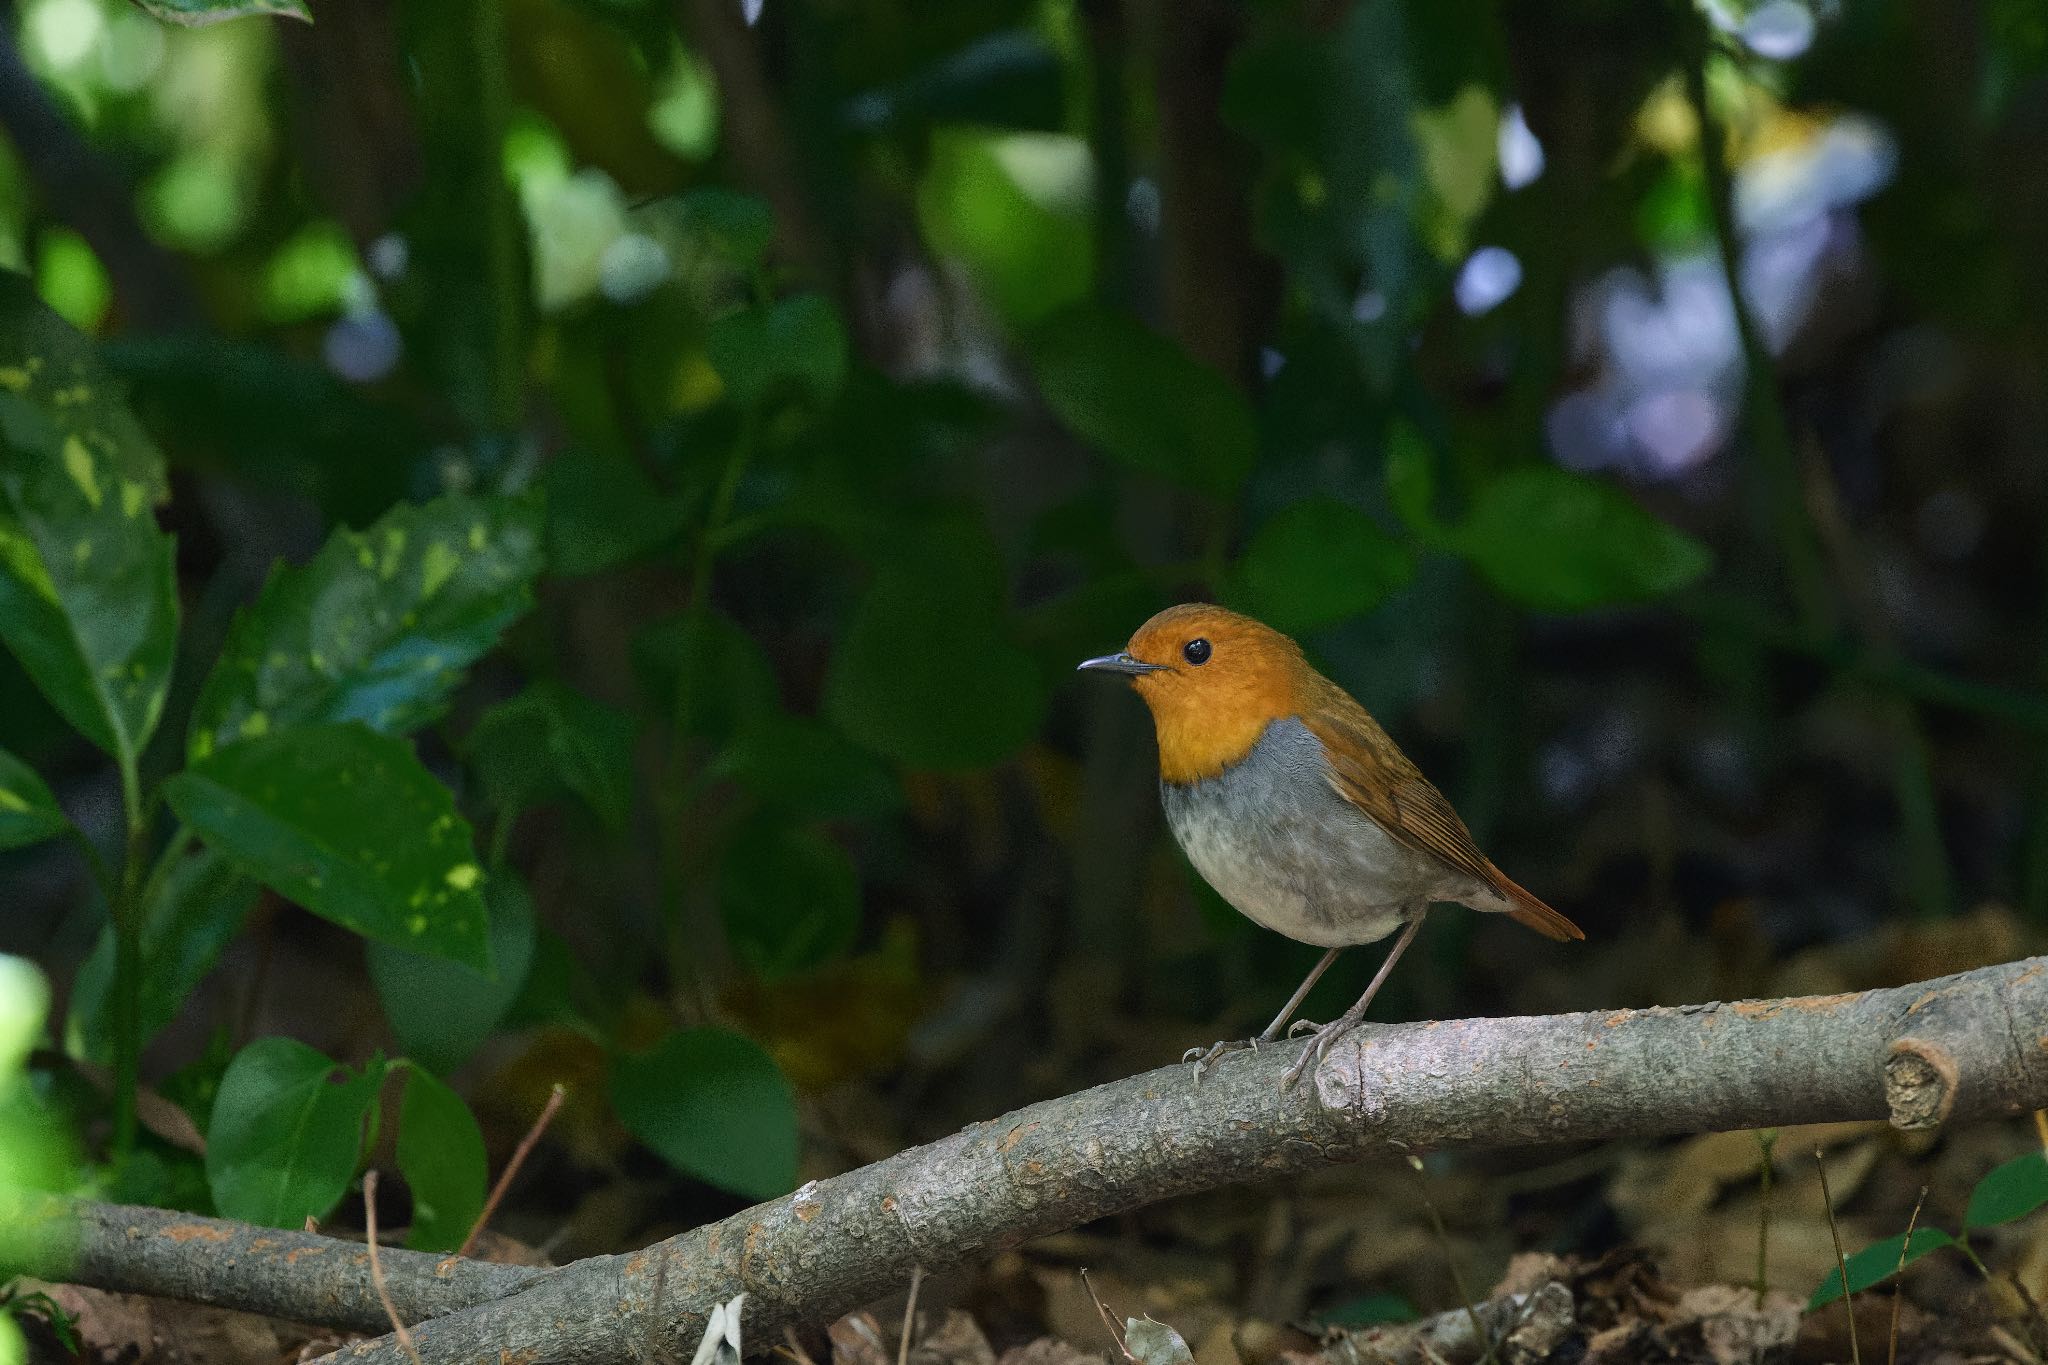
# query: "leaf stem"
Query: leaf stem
{"points": [[1763, 406], [721, 505], [126, 909], [684, 786], [2026, 709]]}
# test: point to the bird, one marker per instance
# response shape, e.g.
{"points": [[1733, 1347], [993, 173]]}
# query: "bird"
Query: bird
{"points": [[1291, 801]]}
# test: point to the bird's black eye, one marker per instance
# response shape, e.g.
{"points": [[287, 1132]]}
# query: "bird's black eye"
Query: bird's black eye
{"points": [[1195, 651]]}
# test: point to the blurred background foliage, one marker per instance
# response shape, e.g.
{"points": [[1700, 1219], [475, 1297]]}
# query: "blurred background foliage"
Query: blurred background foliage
{"points": [[1639, 406]]}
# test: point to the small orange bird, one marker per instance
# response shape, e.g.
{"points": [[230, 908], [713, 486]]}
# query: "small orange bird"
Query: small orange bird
{"points": [[1293, 803]]}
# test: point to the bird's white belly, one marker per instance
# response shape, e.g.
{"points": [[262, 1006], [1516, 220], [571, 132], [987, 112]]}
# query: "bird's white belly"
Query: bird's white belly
{"points": [[1288, 888], [1278, 843]]}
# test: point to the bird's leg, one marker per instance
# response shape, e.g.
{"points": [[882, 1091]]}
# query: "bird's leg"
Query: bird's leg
{"points": [[1202, 1057], [1294, 1001], [1336, 1028]]}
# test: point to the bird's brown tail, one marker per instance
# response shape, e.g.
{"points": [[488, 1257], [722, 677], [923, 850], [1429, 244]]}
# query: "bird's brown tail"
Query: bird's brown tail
{"points": [[1534, 914]]}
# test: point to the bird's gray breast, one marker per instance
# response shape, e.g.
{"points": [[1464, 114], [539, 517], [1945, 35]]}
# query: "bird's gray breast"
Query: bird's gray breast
{"points": [[1276, 840]]}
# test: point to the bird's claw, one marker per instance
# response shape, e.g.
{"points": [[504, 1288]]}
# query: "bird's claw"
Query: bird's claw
{"points": [[1316, 1051], [1304, 1026], [1205, 1057]]}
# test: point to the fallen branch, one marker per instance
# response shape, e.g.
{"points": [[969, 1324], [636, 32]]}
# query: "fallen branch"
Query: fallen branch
{"points": [[1978, 1045], [299, 1276]]}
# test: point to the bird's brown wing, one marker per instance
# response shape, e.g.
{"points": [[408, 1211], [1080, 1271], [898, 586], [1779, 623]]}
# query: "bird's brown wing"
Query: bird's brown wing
{"points": [[1367, 769]]}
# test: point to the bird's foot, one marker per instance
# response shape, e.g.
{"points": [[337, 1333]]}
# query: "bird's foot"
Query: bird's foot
{"points": [[1326, 1035], [1205, 1057]]}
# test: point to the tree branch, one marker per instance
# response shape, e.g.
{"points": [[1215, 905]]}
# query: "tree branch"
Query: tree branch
{"points": [[1975, 1045], [301, 1276]]}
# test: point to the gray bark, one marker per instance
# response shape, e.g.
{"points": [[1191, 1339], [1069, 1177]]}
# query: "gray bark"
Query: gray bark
{"points": [[300, 1276], [1460, 1083]]}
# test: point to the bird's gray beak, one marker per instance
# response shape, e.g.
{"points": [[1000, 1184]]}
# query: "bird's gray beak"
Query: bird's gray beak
{"points": [[1118, 663]]}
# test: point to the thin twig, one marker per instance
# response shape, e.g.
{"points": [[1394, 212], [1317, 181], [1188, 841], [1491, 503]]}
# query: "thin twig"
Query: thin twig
{"points": [[909, 1315], [519, 1155], [1841, 1262], [2038, 1328], [1766, 1139], [1122, 1346], [1443, 1237], [792, 1349], [377, 1268], [1891, 1352]]}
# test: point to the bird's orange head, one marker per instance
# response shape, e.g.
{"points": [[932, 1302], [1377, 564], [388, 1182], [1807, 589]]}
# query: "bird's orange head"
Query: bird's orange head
{"points": [[1214, 680]]}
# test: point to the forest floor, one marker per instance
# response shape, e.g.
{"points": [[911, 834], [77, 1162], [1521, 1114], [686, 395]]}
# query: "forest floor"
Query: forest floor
{"points": [[1704, 1249]]}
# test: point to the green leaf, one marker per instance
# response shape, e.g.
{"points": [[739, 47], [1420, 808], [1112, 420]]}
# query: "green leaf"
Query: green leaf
{"points": [[347, 823], [1560, 542], [1143, 401], [739, 225], [796, 343], [194, 914], [442, 1011], [2012, 1190], [806, 766], [441, 1156], [551, 738], [88, 598], [603, 511], [1316, 563], [285, 1137], [36, 1150], [379, 627], [1877, 1263], [1014, 209], [705, 673], [789, 897], [198, 13], [29, 813], [1369, 1310], [929, 671], [1154, 1343], [1411, 479], [714, 1105]]}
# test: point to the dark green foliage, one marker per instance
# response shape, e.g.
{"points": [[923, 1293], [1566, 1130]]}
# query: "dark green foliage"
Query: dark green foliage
{"points": [[1143, 401], [808, 768], [1878, 1262], [194, 13], [1563, 543], [380, 627], [188, 917], [28, 812], [289, 1128], [1315, 564], [88, 603], [441, 1011], [346, 822], [284, 1139], [790, 897], [551, 739], [2006, 1192], [933, 623], [795, 345], [441, 1156], [714, 1105]]}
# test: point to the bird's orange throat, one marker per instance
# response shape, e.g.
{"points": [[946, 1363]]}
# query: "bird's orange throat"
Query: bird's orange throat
{"points": [[1204, 730]]}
